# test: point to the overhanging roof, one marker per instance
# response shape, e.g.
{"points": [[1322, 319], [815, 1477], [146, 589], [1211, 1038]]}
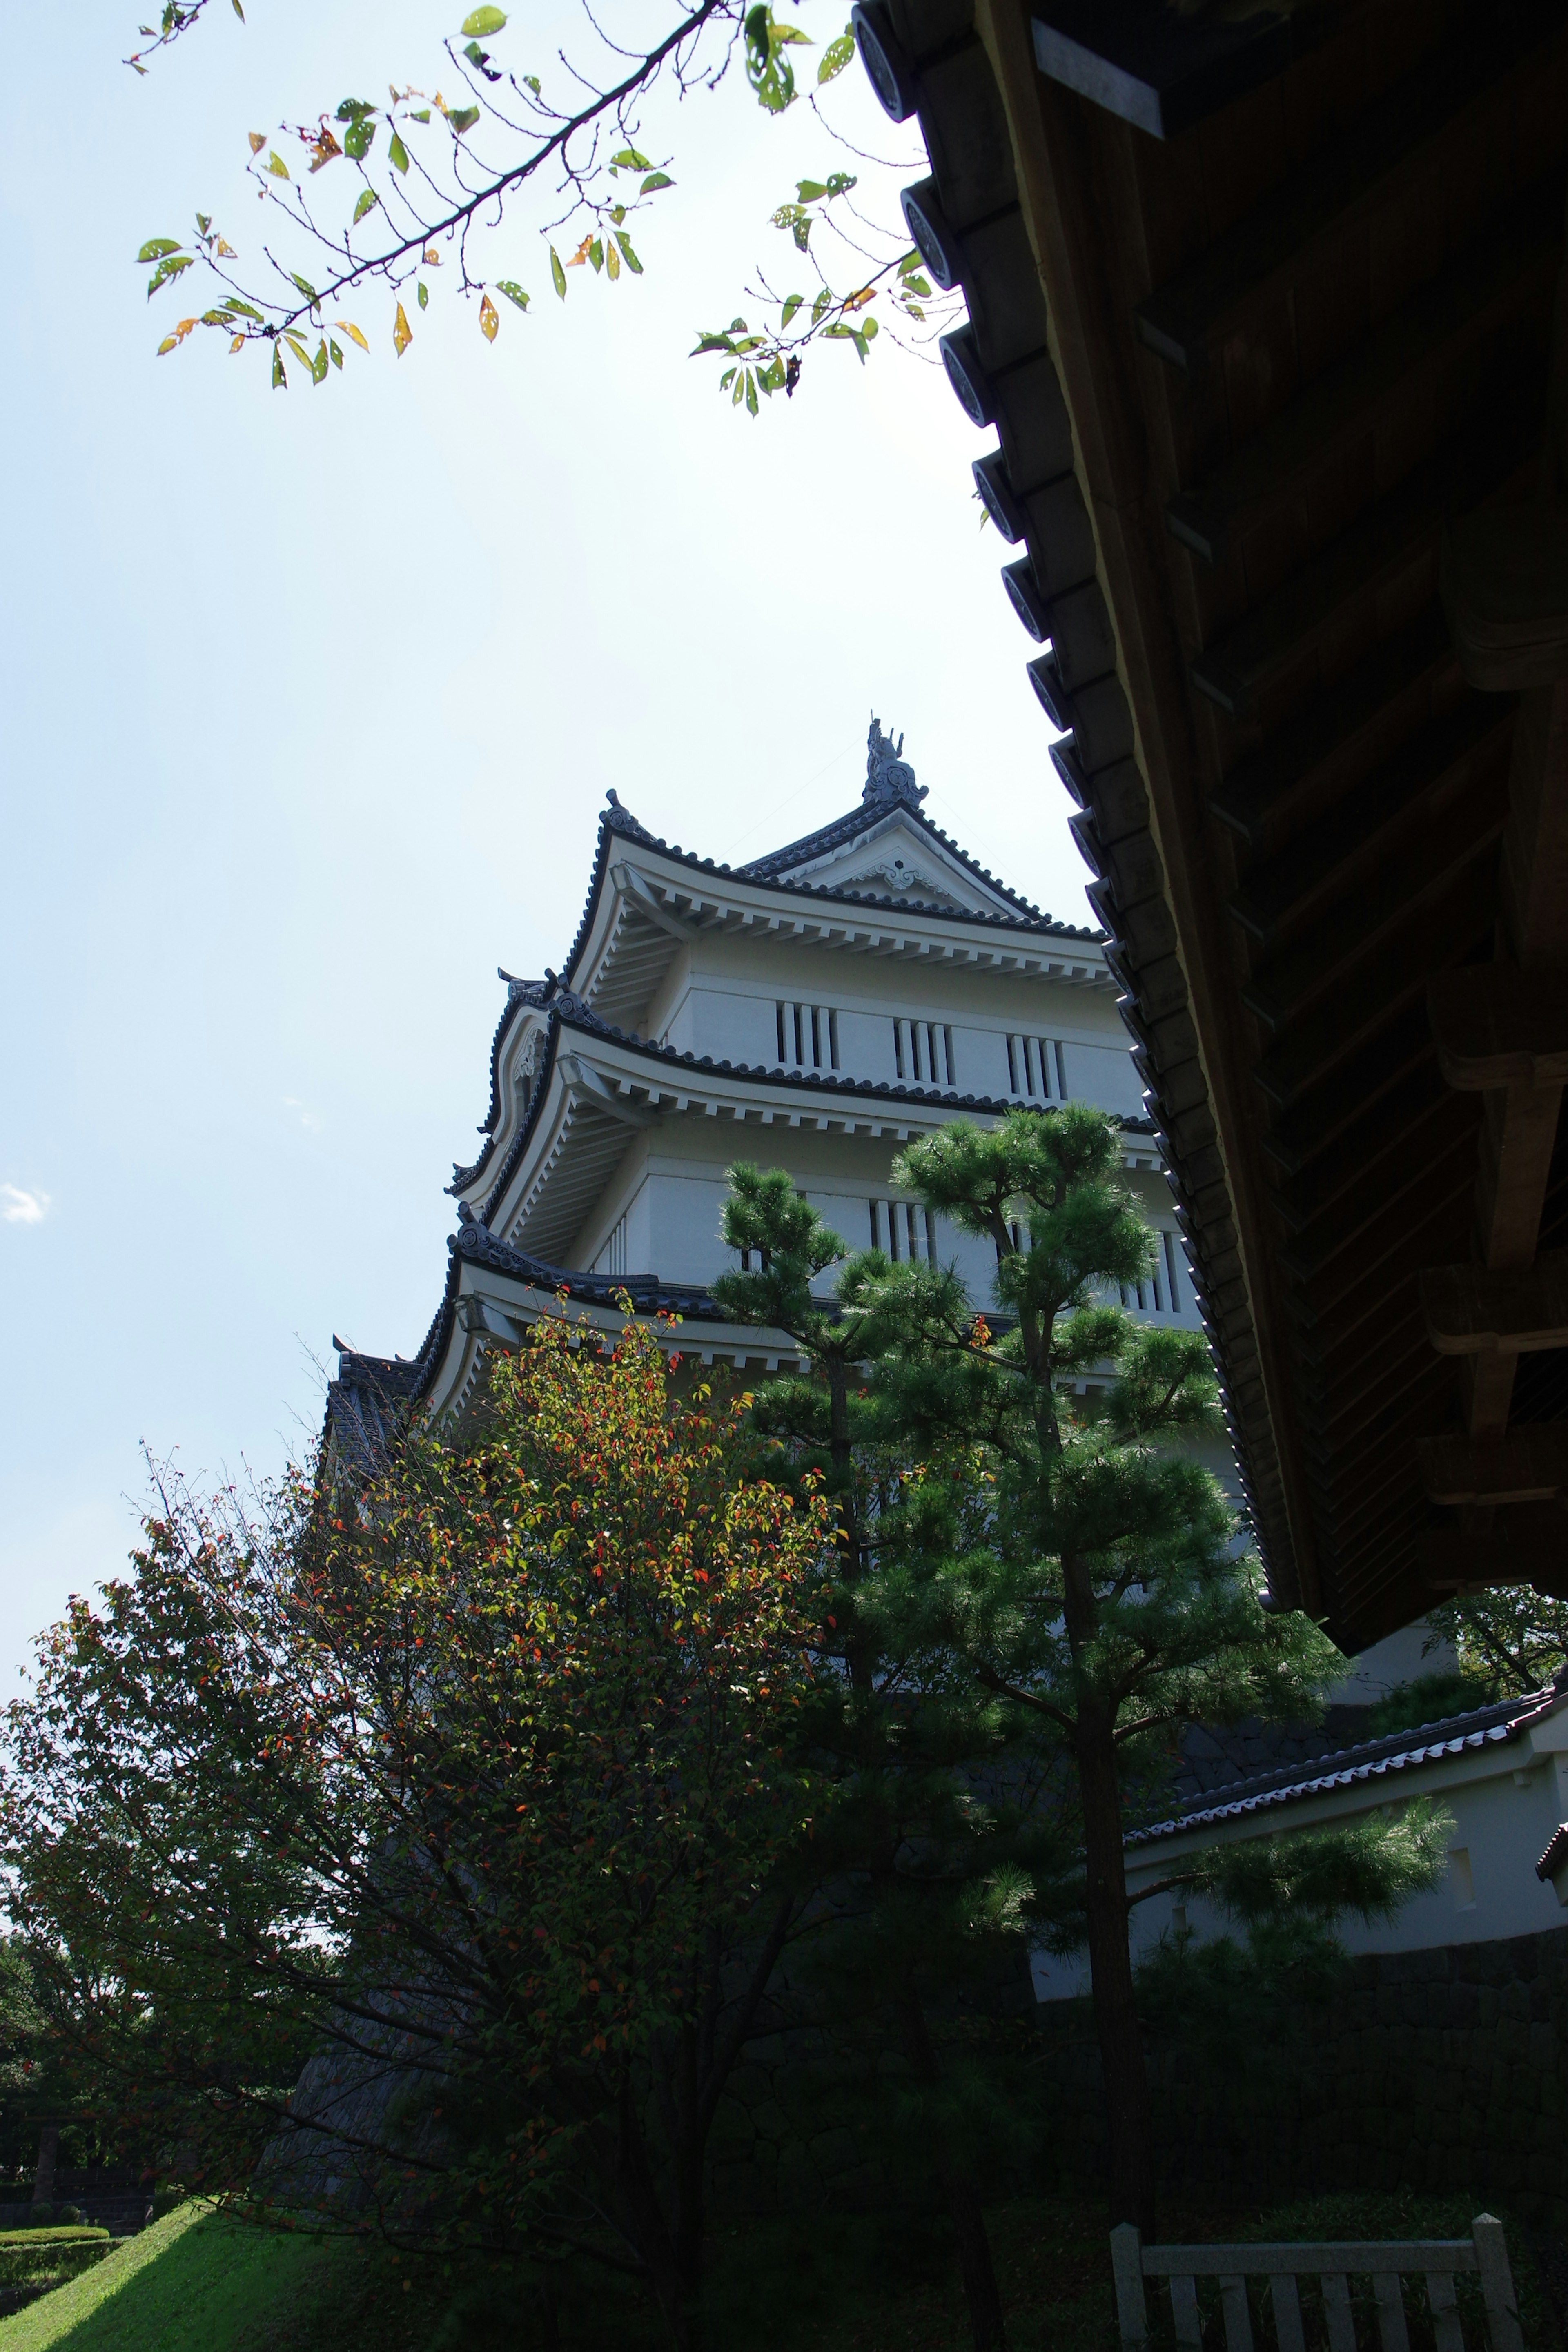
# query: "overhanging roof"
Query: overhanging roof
{"points": [[596, 1082], [1262, 307], [1501, 1723]]}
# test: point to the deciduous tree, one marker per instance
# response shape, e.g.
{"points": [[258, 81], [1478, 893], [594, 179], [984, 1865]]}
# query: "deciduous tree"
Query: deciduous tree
{"points": [[472, 1779]]}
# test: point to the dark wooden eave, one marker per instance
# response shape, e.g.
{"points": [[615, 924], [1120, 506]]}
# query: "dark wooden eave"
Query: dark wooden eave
{"points": [[1267, 313]]}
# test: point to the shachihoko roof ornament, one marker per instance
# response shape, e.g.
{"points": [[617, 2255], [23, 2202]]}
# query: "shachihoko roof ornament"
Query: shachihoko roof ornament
{"points": [[889, 775]]}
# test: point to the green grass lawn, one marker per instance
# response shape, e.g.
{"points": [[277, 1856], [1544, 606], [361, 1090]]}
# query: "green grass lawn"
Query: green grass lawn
{"points": [[197, 2282]]}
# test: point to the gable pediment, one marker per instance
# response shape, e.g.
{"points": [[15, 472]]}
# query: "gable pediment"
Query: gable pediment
{"points": [[893, 858]]}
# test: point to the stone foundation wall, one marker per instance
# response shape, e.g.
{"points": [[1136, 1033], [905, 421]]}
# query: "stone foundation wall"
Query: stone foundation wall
{"points": [[1439, 2070]]}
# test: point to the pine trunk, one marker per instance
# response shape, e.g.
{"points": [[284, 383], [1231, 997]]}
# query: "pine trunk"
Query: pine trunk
{"points": [[987, 2325], [1110, 1974]]}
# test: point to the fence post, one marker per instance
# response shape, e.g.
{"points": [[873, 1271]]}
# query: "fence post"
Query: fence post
{"points": [[1497, 2283], [1127, 2269]]}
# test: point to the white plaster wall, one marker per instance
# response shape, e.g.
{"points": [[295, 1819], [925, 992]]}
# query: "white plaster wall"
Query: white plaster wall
{"points": [[1503, 1811], [866, 1045], [731, 1025], [980, 1059], [1102, 1075], [719, 998]]}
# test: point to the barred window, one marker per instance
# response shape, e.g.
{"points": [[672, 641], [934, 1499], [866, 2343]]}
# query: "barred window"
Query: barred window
{"points": [[808, 1036], [905, 1231], [922, 1053], [1037, 1067]]}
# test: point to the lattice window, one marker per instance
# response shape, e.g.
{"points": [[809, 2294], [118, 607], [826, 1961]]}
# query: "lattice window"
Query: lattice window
{"points": [[905, 1231], [808, 1036], [922, 1053], [1036, 1068]]}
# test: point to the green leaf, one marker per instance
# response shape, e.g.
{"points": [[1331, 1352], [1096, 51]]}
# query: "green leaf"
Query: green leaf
{"points": [[217, 318], [628, 160], [280, 381], [801, 229], [836, 56], [823, 302], [751, 392], [243, 310], [792, 304], [808, 191], [557, 275], [534, 84], [168, 270], [482, 23], [296, 346], [397, 153], [336, 352], [305, 287], [353, 110], [276, 166], [628, 255], [424, 293], [157, 246], [318, 364], [420, 114], [358, 140], [368, 201], [654, 182], [740, 392], [238, 10], [840, 183], [711, 344], [462, 118], [512, 290], [727, 379], [597, 254]]}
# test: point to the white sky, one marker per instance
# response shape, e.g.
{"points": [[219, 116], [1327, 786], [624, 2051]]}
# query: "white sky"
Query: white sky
{"points": [[310, 704]]}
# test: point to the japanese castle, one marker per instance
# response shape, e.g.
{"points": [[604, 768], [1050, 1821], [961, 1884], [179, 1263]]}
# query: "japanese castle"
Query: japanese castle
{"points": [[813, 1010]]}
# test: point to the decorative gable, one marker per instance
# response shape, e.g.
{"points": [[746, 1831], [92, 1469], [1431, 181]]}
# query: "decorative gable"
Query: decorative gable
{"points": [[886, 847]]}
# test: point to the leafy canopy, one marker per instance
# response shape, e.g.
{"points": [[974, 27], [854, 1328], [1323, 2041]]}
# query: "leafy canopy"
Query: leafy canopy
{"points": [[466, 1776]]}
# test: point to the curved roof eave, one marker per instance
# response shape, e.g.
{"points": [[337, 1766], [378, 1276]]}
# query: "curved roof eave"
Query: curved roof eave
{"points": [[569, 1013], [617, 822]]}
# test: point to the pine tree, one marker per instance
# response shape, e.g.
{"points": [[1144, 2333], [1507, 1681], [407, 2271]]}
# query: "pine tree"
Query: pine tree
{"points": [[906, 1831], [1099, 1605]]}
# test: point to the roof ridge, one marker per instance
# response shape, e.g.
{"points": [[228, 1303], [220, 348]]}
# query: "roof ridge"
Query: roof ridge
{"points": [[1505, 1718]]}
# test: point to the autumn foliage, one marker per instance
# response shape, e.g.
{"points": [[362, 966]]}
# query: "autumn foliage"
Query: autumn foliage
{"points": [[466, 1781]]}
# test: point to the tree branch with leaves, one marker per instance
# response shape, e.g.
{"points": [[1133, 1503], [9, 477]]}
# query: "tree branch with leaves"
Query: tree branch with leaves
{"points": [[430, 179]]}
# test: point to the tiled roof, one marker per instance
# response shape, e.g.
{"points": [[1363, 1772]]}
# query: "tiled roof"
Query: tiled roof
{"points": [[619, 823], [568, 1011], [1556, 1852], [648, 1294], [1483, 1726]]}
